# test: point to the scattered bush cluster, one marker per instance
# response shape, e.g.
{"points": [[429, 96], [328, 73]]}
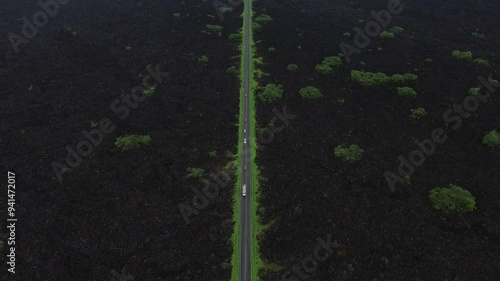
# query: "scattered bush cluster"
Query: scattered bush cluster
{"points": [[310, 93], [232, 70], [417, 113], [263, 18], [452, 199], [466, 55], [129, 142], [271, 93], [369, 79], [350, 154], [492, 139], [194, 172], [328, 63], [406, 92], [292, 67]]}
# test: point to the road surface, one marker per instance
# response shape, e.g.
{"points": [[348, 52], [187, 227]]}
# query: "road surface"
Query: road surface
{"points": [[246, 228]]}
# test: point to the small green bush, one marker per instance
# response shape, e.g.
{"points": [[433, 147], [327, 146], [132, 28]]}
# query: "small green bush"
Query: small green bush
{"points": [[478, 35], [452, 199], [149, 92], [492, 139], [417, 113], [328, 63], [235, 36], [232, 70], [203, 59], [467, 55], [346, 34], [177, 15], [368, 79], [474, 91], [214, 27], [481, 62], [194, 172], [129, 49], [310, 93], [263, 18], [271, 50], [403, 78], [406, 92], [129, 142], [428, 60], [397, 30], [386, 35], [292, 67], [212, 153], [271, 93], [350, 154]]}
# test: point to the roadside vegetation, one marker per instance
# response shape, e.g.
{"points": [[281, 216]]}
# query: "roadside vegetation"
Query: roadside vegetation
{"points": [[452, 199]]}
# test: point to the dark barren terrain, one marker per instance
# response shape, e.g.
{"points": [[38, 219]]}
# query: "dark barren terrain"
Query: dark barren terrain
{"points": [[118, 211], [308, 193]]}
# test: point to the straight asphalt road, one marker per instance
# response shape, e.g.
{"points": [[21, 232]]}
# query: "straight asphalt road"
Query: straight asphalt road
{"points": [[246, 228]]}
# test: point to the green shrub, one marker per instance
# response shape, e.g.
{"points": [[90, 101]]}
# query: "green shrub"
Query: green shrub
{"points": [[232, 70], [478, 35], [428, 60], [452, 199], [214, 27], [263, 18], [149, 92], [347, 34], [403, 78], [386, 35], [341, 101], [350, 154], [368, 79], [177, 15], [271, 93], [203, 59], [328, 63], [271, 50], [323, 69], [310, 93], [212, 153], [397, 30], [417, 113], [492, 139], [462, 55], [194, 172], [235, 36], [129, 142], [481, 62], [129, 49], [292, 67], [225, 9], [93, 124], [474, 91], [406, 92], [256, 25]]}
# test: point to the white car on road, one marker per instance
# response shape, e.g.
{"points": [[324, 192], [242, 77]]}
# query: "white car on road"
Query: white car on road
{"points": [[245, 140]]}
